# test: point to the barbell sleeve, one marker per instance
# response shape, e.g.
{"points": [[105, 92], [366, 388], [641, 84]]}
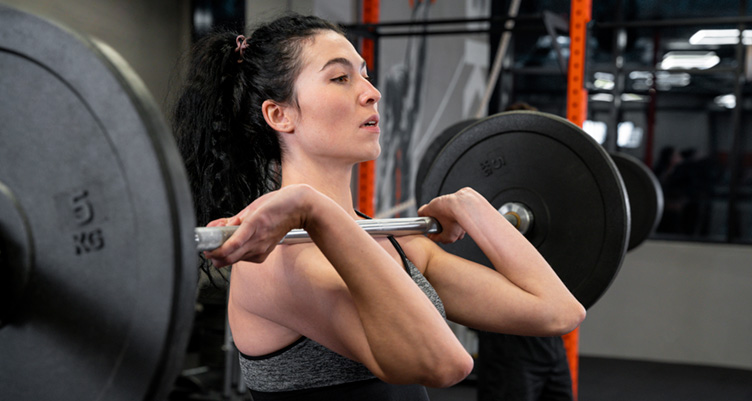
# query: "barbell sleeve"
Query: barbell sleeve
{"points": [[518, 215], [208, 238]]}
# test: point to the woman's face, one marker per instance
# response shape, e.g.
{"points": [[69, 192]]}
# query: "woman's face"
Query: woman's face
{"points": [[337, 116]]}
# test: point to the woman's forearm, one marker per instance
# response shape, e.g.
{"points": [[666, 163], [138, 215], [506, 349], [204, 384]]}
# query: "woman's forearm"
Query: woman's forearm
{"points": [[516, 258]]}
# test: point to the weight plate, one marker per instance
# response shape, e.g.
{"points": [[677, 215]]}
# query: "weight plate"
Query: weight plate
{"points": [[645, 197], [435, 147], [15, 253], [107, 308], [580, 208]]}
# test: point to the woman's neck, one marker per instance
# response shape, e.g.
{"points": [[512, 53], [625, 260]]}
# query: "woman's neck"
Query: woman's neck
{"points": [[332, 182]]}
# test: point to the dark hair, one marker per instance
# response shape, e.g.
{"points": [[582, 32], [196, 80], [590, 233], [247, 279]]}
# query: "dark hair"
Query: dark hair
{"points": [[231, 155]]}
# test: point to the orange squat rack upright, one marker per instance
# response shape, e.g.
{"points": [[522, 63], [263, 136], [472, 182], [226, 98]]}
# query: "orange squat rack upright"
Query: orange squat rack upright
{"points": [[367, 170], [577, 102]]}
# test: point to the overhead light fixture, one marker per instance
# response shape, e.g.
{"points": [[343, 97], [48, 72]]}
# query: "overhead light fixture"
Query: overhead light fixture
{"points": [[664, 80], [633, 97], [628, 135], [672, 79], [726, 101], [603, 81], [689, 60], [596, 129], [640, 75], [720, 37], [602, 97]]}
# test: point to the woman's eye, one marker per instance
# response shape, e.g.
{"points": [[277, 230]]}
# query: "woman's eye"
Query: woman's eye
{"points": [[341, 79]]}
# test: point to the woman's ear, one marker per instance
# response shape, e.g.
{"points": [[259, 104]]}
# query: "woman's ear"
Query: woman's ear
{"points": [[277, 116]]}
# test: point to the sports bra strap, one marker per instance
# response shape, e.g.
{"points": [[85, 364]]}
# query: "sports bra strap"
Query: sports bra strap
{"points": [[394, 243]]}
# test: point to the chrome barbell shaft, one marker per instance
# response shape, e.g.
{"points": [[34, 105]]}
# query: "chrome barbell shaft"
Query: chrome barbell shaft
{"points": [[208, 238]]}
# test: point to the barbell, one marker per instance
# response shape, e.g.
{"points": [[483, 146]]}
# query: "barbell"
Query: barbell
{"points": [[98, 243], [208, 238]]}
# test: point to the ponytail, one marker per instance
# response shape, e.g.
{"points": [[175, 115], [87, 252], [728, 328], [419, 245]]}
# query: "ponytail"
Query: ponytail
{"points": [[228, 164], [231, 154]]}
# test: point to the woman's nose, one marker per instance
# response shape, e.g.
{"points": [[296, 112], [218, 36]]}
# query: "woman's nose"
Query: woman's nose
{"points": [[370, 93]]}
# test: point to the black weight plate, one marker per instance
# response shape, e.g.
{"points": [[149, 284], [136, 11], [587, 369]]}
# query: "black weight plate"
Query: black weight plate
{"points": [[434, 148], [645, 197], [15, 253], [567, 180], [107, 310]]}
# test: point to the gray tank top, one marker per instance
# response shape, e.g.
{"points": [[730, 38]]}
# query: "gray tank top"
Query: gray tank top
{"points": [[307, 364]]}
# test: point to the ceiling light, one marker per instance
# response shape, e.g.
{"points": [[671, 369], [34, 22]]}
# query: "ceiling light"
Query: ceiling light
{"points": [[663, 80], [633, 97], [602, 97], [628, 135], [640, 75], [603, 80], [673, 79], [596, 129], [689, 60], [720, 37], [727, 101]]}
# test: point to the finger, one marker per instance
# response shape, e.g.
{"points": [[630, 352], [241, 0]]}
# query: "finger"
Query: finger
{"points": [[218, 264], [236, 240], [218, 222], [257, 254], [251, 251]]}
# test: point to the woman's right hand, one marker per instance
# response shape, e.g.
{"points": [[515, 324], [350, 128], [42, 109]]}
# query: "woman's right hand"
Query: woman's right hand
{"points": [[262, 224]]}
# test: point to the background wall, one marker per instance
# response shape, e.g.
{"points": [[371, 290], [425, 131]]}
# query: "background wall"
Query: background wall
{"points": [[676, 302], [150, 35], [344, 11], [428, 83]]}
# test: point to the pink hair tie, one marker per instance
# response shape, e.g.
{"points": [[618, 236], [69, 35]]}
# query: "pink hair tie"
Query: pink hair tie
{"points": [[242, 43]]}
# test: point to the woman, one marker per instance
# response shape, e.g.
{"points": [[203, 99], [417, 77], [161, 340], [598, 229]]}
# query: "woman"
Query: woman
{"points": [[291, 109]]}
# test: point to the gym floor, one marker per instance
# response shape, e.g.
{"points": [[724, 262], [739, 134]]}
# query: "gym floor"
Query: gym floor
{"points": [[604, 379]]}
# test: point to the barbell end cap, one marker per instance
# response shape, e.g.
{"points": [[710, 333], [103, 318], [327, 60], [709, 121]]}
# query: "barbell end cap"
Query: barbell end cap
{"points": [[432, 226], [210, 238], [519, 215]]}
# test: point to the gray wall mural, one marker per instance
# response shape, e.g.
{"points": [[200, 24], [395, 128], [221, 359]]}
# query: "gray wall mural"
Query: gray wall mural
{"points": [[428, 83]]}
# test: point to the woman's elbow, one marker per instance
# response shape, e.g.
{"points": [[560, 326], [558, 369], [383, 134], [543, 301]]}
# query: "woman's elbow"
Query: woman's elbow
{"points": [[449, 373], [568, 318], [445, 372]]}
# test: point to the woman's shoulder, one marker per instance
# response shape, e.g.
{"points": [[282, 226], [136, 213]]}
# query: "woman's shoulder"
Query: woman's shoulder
{"points": [[265, 296]]}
